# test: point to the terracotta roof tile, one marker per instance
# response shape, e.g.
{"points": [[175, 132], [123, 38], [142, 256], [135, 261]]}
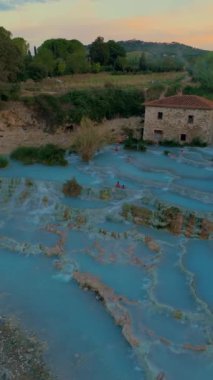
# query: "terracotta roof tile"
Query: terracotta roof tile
{"points": [[182, 101]]}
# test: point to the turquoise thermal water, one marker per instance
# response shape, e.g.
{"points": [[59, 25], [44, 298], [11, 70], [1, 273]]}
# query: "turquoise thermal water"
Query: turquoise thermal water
{"points": [[167, 296]]}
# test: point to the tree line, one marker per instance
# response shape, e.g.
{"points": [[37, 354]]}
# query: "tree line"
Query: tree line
{"points": [[60, 56], [56, 57]]}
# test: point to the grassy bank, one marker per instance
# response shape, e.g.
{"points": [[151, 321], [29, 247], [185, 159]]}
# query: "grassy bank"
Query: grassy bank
{"points": [[66, 83]]}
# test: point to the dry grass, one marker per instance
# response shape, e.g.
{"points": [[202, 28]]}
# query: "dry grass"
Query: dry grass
{"points": [[80, 81], [89, 138]]}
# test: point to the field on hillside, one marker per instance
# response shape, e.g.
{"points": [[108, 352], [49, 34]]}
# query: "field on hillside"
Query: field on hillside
{"points": [[65, 83]]}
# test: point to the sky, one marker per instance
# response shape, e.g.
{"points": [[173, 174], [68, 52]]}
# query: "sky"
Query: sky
{"points": [[186, 21]]}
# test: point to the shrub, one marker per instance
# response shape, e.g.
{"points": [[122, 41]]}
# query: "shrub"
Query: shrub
{"points": [[9, 91], [198, 90], [72, 188], [93, 103], [89, 138], [27, 155], [3, 162], [171, 143], [148, 142], [173, 89], [51, 155], [48, 155], [198, 142], [155, 91], [166, 152], [134, 144], [105, 194], [99, 103]]}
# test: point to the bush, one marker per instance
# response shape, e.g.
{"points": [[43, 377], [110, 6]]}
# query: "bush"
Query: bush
{"points": [[173, 89], [105, 194], [72, 188], [52, 155], [9, 91], [199, 91], [155, 91], [48, 155], [89, 138], [3, 162], [27, 155], [171, 143], [37, 71], [166, 152], [134, 144], [149, 142], [198, 142], [93, 103], [99, 103]]}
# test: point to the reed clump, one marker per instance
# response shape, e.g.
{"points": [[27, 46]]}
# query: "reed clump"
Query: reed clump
{"points": [[89, 138]]}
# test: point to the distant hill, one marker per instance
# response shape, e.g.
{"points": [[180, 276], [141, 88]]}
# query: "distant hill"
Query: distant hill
{"points": [[162, 49]]}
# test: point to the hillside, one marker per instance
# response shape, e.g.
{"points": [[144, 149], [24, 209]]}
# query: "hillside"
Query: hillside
{"points": [[161, 49]]}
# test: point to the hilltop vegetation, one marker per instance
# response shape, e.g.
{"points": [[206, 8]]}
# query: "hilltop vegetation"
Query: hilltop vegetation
{"points": [[121, 64], [161, 48]]}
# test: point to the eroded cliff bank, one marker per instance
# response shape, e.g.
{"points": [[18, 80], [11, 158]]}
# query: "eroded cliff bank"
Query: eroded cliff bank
{"points": [[21, 125]]}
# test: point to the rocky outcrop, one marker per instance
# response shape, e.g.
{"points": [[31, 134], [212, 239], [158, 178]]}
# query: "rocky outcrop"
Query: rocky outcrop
{"points": [[21, 126], [112, 302]]}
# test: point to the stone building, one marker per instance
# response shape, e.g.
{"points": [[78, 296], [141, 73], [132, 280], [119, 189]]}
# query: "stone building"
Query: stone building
{"points": [[181, 118]]}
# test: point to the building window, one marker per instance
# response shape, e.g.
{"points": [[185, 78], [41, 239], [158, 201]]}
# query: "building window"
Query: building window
{"points": [[160, 115], [190, 119], [183, 137]]}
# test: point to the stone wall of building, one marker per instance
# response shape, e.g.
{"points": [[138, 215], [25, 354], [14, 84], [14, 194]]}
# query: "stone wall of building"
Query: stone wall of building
{"points": [[174, 122]]}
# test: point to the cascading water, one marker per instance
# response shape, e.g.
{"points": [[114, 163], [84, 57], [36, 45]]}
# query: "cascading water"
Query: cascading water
{"points": [[113, 296]]}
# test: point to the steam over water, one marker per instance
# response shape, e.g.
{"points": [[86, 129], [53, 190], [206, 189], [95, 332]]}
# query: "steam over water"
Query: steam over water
{"points": [[164, 297]]}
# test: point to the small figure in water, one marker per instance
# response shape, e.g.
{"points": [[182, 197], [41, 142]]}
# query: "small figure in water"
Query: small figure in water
{"points": [[119, 186], [116, 147]]}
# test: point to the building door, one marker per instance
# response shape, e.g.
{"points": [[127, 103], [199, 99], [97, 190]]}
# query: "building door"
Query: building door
{"points": [[158, 135]]}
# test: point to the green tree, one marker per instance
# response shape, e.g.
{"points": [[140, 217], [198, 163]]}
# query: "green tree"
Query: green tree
{"points": [[11, 59], [37, 71], [115, 51], [143, 62], [99, 52], [120, 64], [62, 56], [60, 66], [203, 71], [46, 58], [77, 63], [22, 45]]}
